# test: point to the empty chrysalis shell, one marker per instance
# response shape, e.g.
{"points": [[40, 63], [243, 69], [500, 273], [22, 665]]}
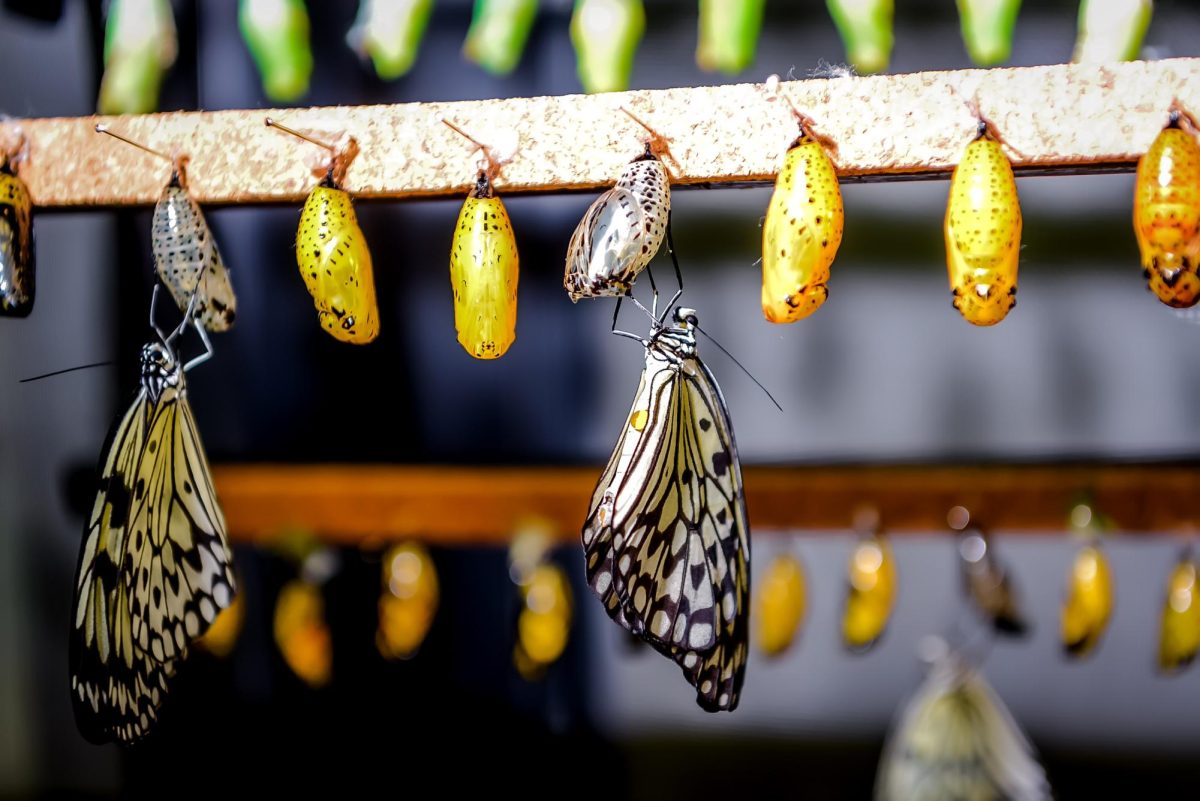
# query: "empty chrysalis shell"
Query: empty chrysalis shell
{"points": [[621, 232], [335, 264], [801, 233], [1166, 214], [484, 271], [16, 245], [185, 253], [983, 232]]}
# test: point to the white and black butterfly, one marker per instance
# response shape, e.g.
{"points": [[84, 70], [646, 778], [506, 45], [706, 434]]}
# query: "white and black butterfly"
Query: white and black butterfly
{"points": [[666, 538], [155, 565], [956, 740], [620, 233]]}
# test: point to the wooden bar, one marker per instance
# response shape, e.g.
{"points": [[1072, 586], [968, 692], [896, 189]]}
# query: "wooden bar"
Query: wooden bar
{"points": [[1068, 118], [361, 504]]}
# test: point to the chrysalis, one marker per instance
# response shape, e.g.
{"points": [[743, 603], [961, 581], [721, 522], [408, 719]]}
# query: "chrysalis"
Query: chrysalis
{"points": [[782, 601], [1180, 633], [606, 34], [390, 33], [408, 602], [871, 587], [985, 578], [983, 231], [139, 47], [1111, 30], [185, 252], [17, 278], [802, 231], [622, 230], [498, 32], [484, 269], [729, 31], [276, 31], [866, 30], [333, 256], [987, 29], [1166, 212]]}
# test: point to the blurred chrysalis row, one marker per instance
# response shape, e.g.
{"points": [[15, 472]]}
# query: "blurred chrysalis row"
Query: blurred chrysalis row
{"points": [[140, 39]]}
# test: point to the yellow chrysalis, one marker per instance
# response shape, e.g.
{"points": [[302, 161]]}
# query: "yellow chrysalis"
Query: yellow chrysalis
{"points": [[781, 605], [983, 231], [1166, 213], [802, 232], [333, 256], [1089, 602], [408, 602], [871, 593], [1180, 633], [483, 274]]}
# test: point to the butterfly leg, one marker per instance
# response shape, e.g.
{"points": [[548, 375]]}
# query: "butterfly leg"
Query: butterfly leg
{"points": [[678, 274], [616, 313], [153, 306], [208, 349]]}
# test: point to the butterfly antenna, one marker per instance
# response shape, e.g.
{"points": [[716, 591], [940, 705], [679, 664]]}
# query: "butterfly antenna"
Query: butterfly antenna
{"points": [[733, 359], [66, 370]]}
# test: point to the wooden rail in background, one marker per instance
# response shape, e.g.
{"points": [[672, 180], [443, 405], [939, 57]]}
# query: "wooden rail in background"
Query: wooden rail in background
{"points": [[1061, 118], [361, 504]]}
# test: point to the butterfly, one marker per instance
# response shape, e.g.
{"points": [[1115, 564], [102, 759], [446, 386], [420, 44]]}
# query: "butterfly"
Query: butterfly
{"points": [[666, 538], [155, 566], [620, 233], [956, 740]]}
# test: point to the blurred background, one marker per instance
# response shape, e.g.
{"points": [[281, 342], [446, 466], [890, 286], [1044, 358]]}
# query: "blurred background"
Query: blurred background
{"points": [[1089, 366]]}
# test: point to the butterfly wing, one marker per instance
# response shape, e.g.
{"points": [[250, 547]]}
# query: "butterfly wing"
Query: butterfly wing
{"points": [[115, 690], [666, 539], [177, 565]]}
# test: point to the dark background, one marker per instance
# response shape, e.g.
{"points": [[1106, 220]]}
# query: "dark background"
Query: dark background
{"points": [[1088, 366]]}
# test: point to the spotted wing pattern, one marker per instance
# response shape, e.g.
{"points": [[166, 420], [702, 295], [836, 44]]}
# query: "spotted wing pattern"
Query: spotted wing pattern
{"points": [[666, 538]]}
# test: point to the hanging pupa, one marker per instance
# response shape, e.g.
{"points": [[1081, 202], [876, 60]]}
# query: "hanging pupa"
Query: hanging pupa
{"points": [[1180, 632], [1088, 604], [782, 602], [276, 32], [729, 31], [185, 251], [802, 230], [498, 32], [140, 45], [390, 33], [1111, 30], [987, 29], [332, 252], [623, 229], [983, 231], [408, 601], [871, 586], [606, 34], [866, 29], [1166, 212], [484, 267], [546, 606], [17, 276], [985, 577]]}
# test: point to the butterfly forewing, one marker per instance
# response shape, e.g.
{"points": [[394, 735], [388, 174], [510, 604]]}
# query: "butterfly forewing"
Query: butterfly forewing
{"points": [[666, 539], [178, 559]]}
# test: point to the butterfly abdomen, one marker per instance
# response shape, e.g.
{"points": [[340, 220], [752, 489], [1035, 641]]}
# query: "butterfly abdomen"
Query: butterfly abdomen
{"points": [[16, 246], [801, 233], [335, 263], [983, 233]]}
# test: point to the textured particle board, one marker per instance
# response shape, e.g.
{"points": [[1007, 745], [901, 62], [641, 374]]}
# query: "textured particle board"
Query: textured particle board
{"points": [[1061, 117]]}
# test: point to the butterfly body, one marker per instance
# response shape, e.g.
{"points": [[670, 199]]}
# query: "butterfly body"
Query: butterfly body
{"points": [[186, 254], [666, 539], [335, 263], [621, 233], [155, 565], [801, 233], [484, 271], [983, 233], [1166, 215], [16, 246]]}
